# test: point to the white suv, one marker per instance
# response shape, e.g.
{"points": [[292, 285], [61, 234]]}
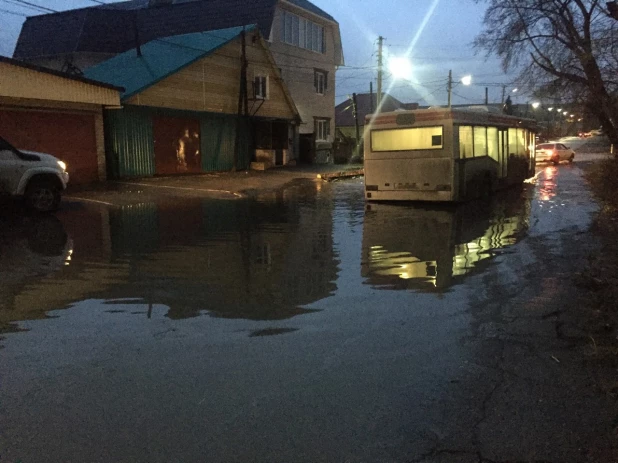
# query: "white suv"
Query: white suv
{"points": [[38, 177]]}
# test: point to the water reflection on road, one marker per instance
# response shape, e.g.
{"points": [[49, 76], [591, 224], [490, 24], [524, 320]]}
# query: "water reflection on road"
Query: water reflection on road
{"points": [[265, 259], [273, 329], [431, 248], [258, 260]]}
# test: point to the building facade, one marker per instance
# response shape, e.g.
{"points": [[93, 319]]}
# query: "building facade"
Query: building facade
{"points": [[304, 40], [180, 105]]}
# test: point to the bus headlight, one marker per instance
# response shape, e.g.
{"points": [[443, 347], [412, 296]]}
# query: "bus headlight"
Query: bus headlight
{"points": [[62, 165]]}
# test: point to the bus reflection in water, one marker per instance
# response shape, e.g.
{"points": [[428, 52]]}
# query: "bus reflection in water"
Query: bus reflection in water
{"points": [[431, 249]]}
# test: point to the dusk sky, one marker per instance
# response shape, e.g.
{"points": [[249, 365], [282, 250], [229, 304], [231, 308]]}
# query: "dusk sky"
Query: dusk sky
{"points": [[440, 31]]}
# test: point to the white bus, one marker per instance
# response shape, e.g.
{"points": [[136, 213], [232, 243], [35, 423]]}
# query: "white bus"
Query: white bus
{"points": [[445, 154]]}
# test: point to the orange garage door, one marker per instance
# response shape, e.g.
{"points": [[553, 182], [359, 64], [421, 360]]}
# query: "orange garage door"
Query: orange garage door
{"points": [[69, 137]]}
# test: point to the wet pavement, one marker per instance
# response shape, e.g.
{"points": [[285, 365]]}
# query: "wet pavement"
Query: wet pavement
{"points": [[299, 325]]}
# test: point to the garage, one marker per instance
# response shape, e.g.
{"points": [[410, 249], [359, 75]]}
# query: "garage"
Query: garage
{"points": [[69, 137], [56, 113]]}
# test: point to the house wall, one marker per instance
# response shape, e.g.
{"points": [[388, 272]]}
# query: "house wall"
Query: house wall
{"points": [[212, 84], [44, 86], [297, 69]]}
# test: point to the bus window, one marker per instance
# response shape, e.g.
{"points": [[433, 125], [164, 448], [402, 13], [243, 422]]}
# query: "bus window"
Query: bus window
{"points": [[480, 141], [521, 143], [465, 142], [492, 143], [512, 146], [417, 138]]}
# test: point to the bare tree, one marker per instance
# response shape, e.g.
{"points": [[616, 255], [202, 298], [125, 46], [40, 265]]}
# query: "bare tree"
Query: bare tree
{"points": [[565, 46]]}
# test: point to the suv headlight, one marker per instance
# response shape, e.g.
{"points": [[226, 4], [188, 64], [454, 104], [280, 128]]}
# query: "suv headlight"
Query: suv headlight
{"points": [[62, 165]]}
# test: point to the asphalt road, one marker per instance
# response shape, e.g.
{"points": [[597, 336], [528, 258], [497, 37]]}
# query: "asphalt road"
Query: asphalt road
{"points": [[298, 326]]}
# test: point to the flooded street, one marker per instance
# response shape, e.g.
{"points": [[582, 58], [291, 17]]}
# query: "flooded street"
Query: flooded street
{"points": [[299, 326]]}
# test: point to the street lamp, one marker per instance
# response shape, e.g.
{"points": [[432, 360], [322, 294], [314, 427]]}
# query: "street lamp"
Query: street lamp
{"points": [[466, 80], [400, 68], [535, 105]]}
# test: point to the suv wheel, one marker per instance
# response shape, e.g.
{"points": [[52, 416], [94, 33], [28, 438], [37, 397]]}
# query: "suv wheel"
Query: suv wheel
{"points": [[42, 196]]}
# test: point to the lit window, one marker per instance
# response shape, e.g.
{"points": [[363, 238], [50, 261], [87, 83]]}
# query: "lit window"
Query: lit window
{"points": [[322, 129], [492, 143], [465, 142], [260, 87], [320, 82], [480, 141], [420, 138]]}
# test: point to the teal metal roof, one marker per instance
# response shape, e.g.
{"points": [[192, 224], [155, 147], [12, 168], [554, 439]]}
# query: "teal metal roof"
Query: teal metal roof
{"points": [[160, 59]]}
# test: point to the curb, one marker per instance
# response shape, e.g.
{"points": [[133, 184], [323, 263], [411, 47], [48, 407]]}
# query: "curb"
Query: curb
{"points": [[342, 174]]}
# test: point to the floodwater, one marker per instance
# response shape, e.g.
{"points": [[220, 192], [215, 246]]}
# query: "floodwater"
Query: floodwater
{"points": [[299, 326]]}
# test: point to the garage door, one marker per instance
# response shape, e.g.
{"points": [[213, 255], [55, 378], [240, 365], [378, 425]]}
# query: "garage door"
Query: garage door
{"points": [[69, 137]]}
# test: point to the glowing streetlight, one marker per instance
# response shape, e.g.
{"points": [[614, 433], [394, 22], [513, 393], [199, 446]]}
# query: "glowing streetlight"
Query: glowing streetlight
{"points": [[536, 104], [559, 110], [400, 68], [466, 80], [565, 112], [550, 109], [515, 90]]}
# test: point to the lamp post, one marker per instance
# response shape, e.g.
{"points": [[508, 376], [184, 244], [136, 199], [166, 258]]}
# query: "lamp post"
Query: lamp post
{"points": [[465, 80]]}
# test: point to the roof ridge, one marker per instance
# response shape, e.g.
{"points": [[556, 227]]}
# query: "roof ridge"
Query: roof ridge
{"points": [[107, 70]]}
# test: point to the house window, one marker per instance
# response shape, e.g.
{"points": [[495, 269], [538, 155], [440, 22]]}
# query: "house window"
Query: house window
{"points": [[322, 129], [303, 33], [260, 87], [320, 81]]}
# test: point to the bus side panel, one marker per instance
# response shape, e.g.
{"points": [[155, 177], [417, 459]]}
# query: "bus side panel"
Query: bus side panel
{"points": [[421, 179], [478, 177]]}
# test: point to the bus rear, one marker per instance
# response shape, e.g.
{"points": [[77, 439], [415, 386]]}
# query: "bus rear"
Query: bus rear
{"points": [[408, 157]]}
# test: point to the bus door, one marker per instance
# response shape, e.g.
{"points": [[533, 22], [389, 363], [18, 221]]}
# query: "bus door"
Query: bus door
{"points": [[503, 148]]}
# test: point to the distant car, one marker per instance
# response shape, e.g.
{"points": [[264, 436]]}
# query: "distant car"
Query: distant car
{"points": [[596, 132], [554, 152], [37, 177], [584, 134]]}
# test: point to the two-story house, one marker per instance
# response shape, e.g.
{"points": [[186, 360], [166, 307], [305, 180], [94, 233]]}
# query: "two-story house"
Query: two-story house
{"points": [[304, 40]]}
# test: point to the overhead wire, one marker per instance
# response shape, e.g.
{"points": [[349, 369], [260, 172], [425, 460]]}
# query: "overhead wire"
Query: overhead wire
{"points": [[25, 3], [13, 12], [21, 5]]}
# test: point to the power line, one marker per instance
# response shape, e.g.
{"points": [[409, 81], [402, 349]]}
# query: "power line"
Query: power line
{"points": [[34, 5], [13, 12], [14, 3]]}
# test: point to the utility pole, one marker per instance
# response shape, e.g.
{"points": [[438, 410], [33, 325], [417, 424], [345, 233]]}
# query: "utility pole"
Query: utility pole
{"points": [[449, 86], [379, 99], [243, 101], [503, 93], [136, 33], [355, 112], [371, 97], [486, 96]]}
